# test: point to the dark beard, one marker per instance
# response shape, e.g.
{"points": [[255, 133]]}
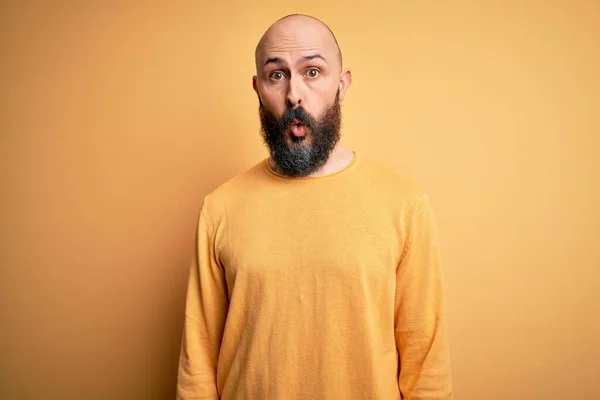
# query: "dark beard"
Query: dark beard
{"points": [[299, 158]]}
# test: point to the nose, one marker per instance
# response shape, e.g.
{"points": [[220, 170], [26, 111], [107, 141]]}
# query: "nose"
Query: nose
{"points": [[294, 94]]}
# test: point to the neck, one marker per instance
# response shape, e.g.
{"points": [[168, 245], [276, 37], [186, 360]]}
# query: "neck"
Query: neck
{"points": [[339, 158]]}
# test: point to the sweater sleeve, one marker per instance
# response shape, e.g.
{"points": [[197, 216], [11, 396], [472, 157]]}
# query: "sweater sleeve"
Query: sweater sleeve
{"points": [[420, 320], [205, 314]]}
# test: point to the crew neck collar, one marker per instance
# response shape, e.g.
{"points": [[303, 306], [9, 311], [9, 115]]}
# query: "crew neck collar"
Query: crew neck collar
{"points": [[347, 168]]}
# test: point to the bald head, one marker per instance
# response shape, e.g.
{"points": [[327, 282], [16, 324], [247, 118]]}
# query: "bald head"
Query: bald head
{"points": [[298, 30]]}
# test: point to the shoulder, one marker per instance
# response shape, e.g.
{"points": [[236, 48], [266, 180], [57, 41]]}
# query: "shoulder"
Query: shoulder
{"points": [[393, 184], [407, 199], [235, 189]]}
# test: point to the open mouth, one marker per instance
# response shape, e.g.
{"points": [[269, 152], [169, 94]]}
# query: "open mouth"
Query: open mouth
{"points": [[297, 128]]}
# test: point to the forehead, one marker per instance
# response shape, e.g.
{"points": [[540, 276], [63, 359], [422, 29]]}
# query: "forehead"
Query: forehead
{"points": [[294, 40]]}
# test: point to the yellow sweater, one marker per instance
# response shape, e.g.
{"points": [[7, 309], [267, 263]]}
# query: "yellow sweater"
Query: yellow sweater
{"points": [[316, 288]]}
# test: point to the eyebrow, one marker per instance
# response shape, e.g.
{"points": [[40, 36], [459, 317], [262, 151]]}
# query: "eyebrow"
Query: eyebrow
{"points": [[280, 61], [274, 60], [312, 57]]}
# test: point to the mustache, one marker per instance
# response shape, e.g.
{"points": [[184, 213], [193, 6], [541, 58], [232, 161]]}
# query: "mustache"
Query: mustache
{"points": [[298, 114]]}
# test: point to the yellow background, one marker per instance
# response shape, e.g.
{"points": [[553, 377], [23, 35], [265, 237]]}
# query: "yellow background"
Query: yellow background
{"points": [[116, 118]]}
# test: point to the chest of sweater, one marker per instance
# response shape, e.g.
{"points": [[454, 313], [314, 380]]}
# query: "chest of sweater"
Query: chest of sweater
{"points": [[310, 257]]}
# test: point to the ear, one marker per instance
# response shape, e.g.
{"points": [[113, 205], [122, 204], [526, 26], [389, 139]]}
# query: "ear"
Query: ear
{"points": [[255, 84], [345, 82], [255, 87]]}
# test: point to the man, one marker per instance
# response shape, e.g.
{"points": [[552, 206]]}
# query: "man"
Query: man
{"points": [[316, 273]]}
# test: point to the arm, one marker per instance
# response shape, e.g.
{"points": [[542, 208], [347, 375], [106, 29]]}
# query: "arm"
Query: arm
{"points": [[420, 319], [205, 313]]}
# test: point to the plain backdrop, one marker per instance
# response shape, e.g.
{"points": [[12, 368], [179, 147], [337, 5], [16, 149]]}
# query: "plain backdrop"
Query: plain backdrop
{"points": [[116, 118]]}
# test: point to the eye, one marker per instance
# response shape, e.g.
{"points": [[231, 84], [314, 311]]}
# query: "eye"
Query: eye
{"points": [[312, 73], [277, 75]]}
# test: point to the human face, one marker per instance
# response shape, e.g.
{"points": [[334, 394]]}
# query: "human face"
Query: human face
{"points": [[299, 84]]}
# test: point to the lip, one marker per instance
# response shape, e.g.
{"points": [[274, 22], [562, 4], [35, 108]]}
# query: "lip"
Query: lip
{"points": [[297, 130]]}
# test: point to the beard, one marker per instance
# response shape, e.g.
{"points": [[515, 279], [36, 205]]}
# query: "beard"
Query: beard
{"points": [[301, 156]]}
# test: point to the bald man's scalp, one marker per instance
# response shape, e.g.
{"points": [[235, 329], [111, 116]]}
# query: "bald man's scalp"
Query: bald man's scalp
{"points": [[260, 45]]}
